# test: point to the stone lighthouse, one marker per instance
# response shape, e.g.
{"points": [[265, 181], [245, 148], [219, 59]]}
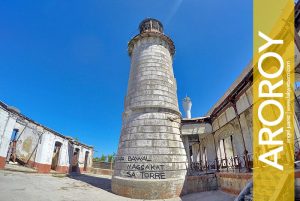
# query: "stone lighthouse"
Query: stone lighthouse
{"points": [[151, 161]]}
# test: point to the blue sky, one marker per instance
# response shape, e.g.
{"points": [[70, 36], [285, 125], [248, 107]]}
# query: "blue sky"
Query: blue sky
{"points": [[65, 63]]}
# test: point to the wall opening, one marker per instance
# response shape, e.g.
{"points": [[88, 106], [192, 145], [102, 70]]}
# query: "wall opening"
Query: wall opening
{"points": [[75, 160], [11, 153], [55, 156], [86, 158]]}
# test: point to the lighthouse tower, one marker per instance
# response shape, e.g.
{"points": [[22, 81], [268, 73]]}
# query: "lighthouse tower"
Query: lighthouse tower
{"points": [[151, 160], [187, 106]]}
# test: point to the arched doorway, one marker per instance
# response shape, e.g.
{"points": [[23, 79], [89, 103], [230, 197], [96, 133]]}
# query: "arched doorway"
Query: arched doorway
{"points": [[55, 155]]}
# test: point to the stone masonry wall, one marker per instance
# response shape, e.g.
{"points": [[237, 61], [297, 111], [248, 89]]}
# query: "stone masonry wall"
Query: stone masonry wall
{"points": [[195, 184], [233, 182], [151, 160]]}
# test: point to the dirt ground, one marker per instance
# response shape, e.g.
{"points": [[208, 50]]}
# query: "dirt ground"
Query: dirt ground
{"points": [[18, 186]]}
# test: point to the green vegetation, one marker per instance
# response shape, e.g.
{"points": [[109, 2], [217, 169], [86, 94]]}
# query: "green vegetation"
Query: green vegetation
{"points": [[109, 158]]}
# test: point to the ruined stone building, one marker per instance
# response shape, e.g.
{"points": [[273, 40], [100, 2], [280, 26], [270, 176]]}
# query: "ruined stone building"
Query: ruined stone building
{"points": [[162, 155], [33, 145], [221, 142]]}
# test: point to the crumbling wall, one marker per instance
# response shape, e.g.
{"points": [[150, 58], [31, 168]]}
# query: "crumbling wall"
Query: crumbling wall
{"points": [[232, 128], [194, 184], [27, 141], [35, 143], [81, 159], [227, 123], [46, 148], [7, 123], [231, 182], [225, 132]]}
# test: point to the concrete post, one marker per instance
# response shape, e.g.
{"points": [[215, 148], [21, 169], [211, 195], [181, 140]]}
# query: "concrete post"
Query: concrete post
{"points": [[217, 164], [243, 139]]}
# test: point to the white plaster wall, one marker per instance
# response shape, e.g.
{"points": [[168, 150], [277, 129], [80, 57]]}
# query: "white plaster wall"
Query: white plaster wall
{"points": [[81, 156], [228, 147], [39, 150], [230, 114], [63, 159], [215, 125], [199, 128], [220, 149], [29, 140], [238, 144], [225, 132], [222, 119], [3, 122], [242, 104], [249, 94], [247, 131], [19, 126], [208, 143], [186, 144], [81, 159], [64, 153], [195, 151], [211, 154], [45, 149], [6, 128], [90, 158]]}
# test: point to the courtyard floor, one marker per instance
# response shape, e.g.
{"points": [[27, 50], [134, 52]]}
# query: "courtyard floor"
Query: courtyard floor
{"points": [[19, 186]]}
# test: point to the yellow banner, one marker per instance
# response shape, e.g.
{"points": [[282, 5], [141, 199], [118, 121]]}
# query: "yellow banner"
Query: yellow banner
{"points": [[273, 98]]}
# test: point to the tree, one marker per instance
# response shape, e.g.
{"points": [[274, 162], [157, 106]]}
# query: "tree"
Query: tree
{"points": [[103, 158], [96, 159], [110, 158]]}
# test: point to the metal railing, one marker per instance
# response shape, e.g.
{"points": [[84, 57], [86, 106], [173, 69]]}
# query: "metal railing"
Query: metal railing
{"points": [[231, 164], [234, 164]]}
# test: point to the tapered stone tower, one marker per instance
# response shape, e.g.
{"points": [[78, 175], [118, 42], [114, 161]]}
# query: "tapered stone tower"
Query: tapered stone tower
{"points": [[151, 159]]}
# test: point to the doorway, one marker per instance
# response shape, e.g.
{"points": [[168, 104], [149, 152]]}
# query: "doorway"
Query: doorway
{"points": [[86, 160], [55, 155], [11, 153], [75, 160]]}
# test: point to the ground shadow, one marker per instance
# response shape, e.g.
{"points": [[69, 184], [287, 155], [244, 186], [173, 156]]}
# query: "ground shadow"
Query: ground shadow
{"points": [[215, 195], [103, 183]]}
